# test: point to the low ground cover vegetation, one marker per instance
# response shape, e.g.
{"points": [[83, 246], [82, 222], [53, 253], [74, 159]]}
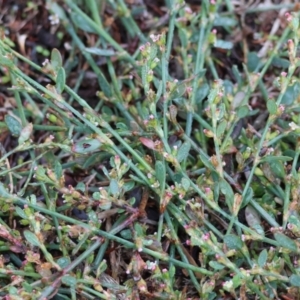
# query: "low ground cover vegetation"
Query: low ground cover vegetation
{"points": [[149, 150]]}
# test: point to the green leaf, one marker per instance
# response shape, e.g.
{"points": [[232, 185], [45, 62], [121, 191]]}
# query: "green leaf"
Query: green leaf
{"points": [[27, 287], [80, 186], [233, 242], [291, 94], [262, 258], [211, 296], [69, 280], [105, 204], [237, 281], [56, 59], [63, 262], [13, 291], [93, 217], [32, 238], [227, 45], [101, 52], [228, 192], [243, 111], [221, 128], [185, 184], [259, 229], [102, 267], [58, 169], [172, 271], [57, 10], [81, 23], [184, 37], [285, 242], [237, 74], [275, 158], [225, 21], [206, 162], [272, 107], [183, 151], [228, 86], [252, 216], [86, 146], [160, 172], [215, 265], [126, 234], [13, 124], [21, 213], [248, 197], [139, 229], [96, 196], [278, 170], [253, 61], [294, 220], [60, 80], [178, 91], [104, 85], [153, 52], [121, 126], [6, 61], [32, 199], [295, 280], [295, 23], [128, 186], [144, 72], [202, 93], [107, 110], [159, 91], [114, 187], [281, 63]]}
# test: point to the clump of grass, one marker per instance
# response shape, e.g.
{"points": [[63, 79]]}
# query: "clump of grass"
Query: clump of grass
{"points": [[180, 181]]}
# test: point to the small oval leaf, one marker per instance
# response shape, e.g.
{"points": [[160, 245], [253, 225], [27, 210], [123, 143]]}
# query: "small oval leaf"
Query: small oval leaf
{"points": [[60, 80], [21, 213], [56, 59], [285, 242], [221, 128], [126, 234], [63, 262], [243, 111], [101, 52], [233, 242], [13, 124], [223, 44], [86, 146], [160, 172], [215, 265], [295, 280], [225, 21], [31, 238], [114, 187], [183, 151], [185, 183], [262, 258], [272, 107], [69, 280]]}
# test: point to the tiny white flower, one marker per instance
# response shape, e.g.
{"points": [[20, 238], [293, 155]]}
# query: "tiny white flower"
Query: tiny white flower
{"points": [[293, 126], [46, 62], [54, 19]]}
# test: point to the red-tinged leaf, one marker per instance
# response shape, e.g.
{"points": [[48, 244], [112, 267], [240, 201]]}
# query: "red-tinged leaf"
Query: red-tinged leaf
{"points": [[147, 142]]}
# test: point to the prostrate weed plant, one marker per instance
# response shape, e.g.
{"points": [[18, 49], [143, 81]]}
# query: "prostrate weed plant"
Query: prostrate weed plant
{"points": [[177, 179]]}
